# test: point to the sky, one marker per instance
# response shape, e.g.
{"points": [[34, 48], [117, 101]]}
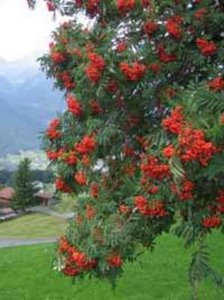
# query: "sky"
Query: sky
{"points": [[24, 32]]}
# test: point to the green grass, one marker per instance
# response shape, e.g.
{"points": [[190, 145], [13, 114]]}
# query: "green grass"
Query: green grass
{"points": [[32, 226], [26, 273], [66, 204]]}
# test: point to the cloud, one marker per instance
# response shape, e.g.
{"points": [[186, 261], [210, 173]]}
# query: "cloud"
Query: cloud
{"points": [[23, 31]]}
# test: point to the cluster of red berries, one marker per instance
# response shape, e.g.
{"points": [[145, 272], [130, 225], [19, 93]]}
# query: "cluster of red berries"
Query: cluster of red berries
{"points": [[193, 146], [62, 186], [92, 7], [184, 191], [174, 123], [173, 26], [200, 13], [192, 143], [206, 47], [95, 68], [74, 106], [76, 262], [66, 79], [86, 146], [53, 131], [134, 71], [212, 222], [154, 209], [125, 6], [152, 168], [150, 27], [164, 56], [217, 84]]}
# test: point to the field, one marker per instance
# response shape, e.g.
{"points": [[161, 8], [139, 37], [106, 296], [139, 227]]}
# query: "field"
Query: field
{"points": [[26, 273], [66, 204], [32, 226]]}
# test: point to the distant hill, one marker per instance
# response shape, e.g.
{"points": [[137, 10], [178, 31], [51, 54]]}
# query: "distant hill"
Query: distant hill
{"points": [[28, 102], [16, 130]]}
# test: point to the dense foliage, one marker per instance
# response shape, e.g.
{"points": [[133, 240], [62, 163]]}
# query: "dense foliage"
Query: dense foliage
{"points": [[142, 138]]}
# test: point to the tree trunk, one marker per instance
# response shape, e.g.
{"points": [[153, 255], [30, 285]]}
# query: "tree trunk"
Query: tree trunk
{"points": [[196, 290]]}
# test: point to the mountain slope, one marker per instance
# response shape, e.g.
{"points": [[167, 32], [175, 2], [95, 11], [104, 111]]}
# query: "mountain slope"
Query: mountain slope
{"points": [[26, 106], [15, 133]]}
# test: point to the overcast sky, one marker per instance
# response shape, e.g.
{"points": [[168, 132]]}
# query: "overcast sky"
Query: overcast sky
{"points": [[22, 31]]}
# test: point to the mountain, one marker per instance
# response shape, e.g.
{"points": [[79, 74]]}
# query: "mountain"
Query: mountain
{"points": [[27, 103], [15, 131]]}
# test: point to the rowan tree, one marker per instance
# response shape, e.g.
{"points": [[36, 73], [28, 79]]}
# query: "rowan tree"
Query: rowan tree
{"points": [[142, 138]]}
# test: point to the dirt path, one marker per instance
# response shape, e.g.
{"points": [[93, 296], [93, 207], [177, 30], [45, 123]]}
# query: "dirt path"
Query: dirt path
{"points": [[22, 242]]}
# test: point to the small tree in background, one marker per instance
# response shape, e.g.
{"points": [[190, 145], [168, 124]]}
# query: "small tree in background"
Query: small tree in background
{"points": [[25, 189]]}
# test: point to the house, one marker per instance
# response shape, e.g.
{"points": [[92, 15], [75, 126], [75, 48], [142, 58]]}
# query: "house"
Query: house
{"points": [[44, 197], [6, 195], [7, 213]]}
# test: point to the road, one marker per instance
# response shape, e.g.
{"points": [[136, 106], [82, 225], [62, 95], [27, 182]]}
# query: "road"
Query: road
{"points": [[22, 242]]}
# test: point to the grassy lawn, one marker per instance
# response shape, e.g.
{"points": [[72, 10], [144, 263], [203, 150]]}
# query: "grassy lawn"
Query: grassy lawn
{"points": [[65, 204], [32, 226], [26, 274]]}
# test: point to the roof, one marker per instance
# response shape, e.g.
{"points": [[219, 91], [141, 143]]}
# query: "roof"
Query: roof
{"points": [[45, 195], [7, 193]]}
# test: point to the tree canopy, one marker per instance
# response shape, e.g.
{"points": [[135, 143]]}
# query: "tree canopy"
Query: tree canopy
{"points": [[25, 189], [142, 139]]}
